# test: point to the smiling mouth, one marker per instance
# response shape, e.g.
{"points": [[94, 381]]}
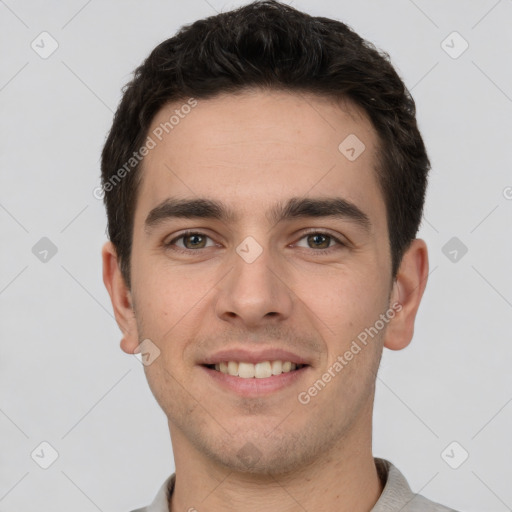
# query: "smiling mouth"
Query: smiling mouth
{"points": [[262, 370]]}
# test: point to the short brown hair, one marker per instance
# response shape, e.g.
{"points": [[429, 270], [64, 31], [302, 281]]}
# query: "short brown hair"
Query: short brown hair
{"points": [[271, 45]]}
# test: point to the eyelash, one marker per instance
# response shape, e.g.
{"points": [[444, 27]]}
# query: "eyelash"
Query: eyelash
{"points": [[339, 244]]}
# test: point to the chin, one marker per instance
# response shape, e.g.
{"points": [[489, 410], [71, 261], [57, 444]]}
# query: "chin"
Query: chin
{"points": [[265, 453]]}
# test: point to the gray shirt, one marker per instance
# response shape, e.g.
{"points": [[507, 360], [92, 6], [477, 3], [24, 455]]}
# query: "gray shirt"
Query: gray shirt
{"points": [[396, 496]]}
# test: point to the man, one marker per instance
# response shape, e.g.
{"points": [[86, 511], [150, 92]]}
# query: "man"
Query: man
{"points": [[264, 181]]}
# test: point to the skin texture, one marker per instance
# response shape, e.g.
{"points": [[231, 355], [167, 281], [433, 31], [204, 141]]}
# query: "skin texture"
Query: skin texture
{"points": [[251, 151]]}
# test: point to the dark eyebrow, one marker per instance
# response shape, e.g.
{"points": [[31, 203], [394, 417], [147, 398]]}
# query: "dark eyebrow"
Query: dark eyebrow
{"points": [[188, 209], [336, 207], [295, 207]]}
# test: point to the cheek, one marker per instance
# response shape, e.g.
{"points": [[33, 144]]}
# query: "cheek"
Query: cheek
{"points": [[170, 306], [159, 305], [346, 301], [165, 292]]}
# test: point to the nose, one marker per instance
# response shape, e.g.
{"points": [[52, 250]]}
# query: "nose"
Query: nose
{"points": [[255, 293]]}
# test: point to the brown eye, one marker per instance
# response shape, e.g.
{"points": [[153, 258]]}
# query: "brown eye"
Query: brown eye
{"points": [[194, 240], [189, 241], [319, 241]]}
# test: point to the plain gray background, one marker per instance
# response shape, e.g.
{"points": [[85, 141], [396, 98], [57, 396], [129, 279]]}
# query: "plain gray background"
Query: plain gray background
{"points": [[63, 378]]}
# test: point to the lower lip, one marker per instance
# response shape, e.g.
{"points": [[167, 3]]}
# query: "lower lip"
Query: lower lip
{"points": [[255, 387]]}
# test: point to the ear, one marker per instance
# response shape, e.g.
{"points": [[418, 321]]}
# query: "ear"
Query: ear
{"points": [[121, 298], [407, 292]]}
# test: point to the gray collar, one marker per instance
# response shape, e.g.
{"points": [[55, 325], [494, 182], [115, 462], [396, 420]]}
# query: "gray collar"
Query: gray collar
{"points": [[396, 495]]}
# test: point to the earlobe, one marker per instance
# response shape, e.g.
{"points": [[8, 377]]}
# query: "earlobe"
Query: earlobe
{"points": [[408, 289], [120, 297]]}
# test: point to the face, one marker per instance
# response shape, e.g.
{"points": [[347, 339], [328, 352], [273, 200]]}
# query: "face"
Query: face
{"points": [[283, 257]]}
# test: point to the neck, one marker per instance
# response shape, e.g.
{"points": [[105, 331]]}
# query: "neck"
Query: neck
{"points": [[344, 479]]}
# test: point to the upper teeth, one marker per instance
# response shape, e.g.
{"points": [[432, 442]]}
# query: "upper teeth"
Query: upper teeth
{"points": [[259, 370]]}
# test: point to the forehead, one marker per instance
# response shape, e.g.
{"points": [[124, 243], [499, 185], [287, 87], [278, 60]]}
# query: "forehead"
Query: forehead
{"points": [[252, 149]]}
